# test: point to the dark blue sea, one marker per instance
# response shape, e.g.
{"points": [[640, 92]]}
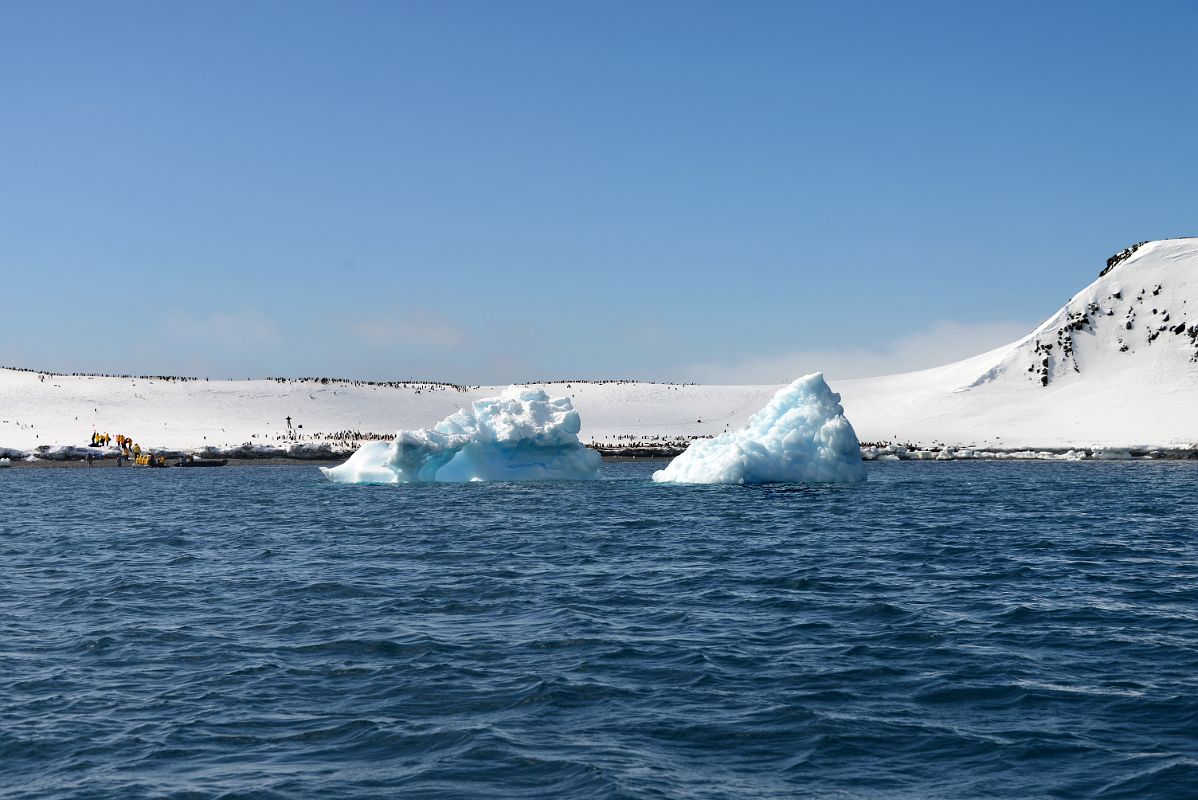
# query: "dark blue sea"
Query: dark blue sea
{"points": [[947, 630]]}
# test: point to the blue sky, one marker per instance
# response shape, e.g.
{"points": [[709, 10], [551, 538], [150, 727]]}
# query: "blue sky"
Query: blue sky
{"points": [[486, 192]]}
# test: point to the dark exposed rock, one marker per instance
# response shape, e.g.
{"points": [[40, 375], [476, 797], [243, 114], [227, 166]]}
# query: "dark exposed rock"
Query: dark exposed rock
{"points": [[1044, 351], [1120, 257]]}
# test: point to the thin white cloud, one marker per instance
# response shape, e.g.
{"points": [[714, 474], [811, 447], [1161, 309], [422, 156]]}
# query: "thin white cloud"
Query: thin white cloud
{"points": [[941, 343], [411, 329], [246, 328]]}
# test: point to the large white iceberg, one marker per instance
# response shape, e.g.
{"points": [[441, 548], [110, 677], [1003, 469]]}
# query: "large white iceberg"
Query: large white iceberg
{"points": [[802, 435], [522, 435]]}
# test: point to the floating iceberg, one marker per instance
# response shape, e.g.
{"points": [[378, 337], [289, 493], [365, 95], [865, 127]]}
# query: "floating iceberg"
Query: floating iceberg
{"points": [[802, 435], [522, 435]]}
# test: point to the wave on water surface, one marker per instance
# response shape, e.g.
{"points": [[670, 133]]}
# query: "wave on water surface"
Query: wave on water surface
{"points": [[961, 630]]}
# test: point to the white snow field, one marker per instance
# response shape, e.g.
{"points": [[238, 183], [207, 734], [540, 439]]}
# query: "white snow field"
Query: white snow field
{"points": [[522, 435], [1114, 369], [801, 435]]}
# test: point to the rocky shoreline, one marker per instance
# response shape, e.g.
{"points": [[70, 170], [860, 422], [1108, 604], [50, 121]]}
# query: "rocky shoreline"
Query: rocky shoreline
{"points": [[247, 455], [916, 453]]}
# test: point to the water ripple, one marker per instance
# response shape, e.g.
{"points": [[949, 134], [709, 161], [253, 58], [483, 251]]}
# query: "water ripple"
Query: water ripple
{"points": [[944, 631]]}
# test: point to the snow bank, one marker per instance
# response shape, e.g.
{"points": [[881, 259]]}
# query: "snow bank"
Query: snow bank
{"points": [[901, 453], [68, 452], [521, 435], [801, 435], [311, 450]]}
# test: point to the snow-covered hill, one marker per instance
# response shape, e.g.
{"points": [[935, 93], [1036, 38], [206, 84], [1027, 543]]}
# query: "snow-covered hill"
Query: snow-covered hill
{"points": [[1116, 367], [55, 410]]}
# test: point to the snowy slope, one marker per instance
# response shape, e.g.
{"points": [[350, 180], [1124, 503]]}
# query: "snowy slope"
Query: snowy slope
{"points": [[158, 413], [1115, 367]]}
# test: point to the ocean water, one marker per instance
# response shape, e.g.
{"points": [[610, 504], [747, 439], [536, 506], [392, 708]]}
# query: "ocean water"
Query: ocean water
{"points": [[1015, 630]]}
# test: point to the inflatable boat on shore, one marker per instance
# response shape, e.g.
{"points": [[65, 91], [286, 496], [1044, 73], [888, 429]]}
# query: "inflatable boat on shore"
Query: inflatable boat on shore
{"points": [[193, 461]]}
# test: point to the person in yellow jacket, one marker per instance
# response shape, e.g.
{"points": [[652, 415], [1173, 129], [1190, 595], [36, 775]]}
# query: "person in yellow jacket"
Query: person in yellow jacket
{"points": [[137, 449]]}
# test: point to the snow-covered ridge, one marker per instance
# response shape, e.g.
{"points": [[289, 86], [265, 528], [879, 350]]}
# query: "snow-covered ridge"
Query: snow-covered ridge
{"points": [[1139, 297], [1116, 367]]}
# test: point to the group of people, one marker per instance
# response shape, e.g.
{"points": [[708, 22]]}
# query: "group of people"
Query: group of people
{"points": [[129, 448]]}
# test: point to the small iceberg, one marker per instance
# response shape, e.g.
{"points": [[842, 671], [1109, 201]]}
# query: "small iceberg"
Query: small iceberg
{"points": [[522, 435], [802, 435]]}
